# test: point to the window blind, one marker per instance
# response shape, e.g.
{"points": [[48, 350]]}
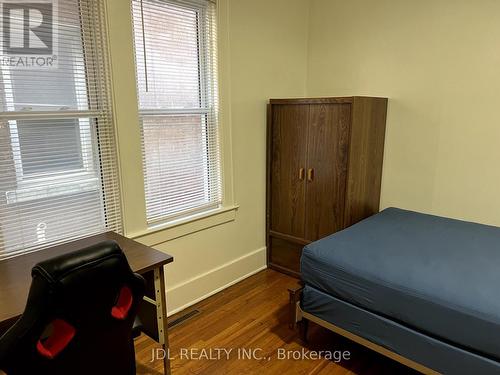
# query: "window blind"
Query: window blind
{"points": [[58, 171], [176, 70]]}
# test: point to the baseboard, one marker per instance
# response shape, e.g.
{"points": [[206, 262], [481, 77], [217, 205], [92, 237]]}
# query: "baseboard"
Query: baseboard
{"points": [[196, 289]]}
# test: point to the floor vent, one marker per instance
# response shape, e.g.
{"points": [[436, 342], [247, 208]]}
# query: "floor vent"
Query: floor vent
{"points": [[183, 318]]}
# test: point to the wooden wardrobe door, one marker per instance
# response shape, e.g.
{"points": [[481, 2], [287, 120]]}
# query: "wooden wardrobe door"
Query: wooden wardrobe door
{"points": [[288, 156], [328, 144]]}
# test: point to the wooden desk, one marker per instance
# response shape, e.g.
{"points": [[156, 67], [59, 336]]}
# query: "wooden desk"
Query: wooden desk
{"points": [[15, 278]]}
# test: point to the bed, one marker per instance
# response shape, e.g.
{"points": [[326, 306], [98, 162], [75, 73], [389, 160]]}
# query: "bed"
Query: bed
{"points": [[421, 289]]}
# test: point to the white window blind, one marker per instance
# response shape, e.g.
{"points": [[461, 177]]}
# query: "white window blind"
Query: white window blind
{"points": [[58, 178], [175, 48]]}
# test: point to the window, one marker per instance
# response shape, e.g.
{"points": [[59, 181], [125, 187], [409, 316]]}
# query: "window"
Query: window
{"points": [[57, 153], [175, 48], [59, 141]]}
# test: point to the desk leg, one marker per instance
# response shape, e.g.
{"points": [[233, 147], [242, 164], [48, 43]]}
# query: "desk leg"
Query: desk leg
{"points": [[161, 315]]}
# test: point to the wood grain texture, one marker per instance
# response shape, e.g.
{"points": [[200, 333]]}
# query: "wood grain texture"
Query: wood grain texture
{"points": [[288, 148], [15, 273], [286, 237], [339, 142], [328, 100], [269, 143], [327, 152], [285, 255], [295, 101], [366, 154], [254, 314]]}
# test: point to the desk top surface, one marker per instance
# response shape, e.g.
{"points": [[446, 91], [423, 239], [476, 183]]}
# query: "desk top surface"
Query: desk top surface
{"points": [[15, 273]]}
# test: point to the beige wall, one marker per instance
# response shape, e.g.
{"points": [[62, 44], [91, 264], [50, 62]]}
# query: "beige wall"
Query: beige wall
{"points": [[262, 55], [437, 60], [439, 63]]}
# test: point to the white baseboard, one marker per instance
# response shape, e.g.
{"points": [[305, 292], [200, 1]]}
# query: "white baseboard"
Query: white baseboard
{"points": [[196, 289]]}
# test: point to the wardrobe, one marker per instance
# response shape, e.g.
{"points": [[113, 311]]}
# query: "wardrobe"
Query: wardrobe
{"points": [[324, 169]]}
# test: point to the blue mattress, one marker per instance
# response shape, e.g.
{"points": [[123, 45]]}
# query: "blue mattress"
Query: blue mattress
{"points": [[438, 276], [411, 344]]}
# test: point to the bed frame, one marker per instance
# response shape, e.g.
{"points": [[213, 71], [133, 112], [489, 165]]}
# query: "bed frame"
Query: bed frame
{"points": [[301, 319]]}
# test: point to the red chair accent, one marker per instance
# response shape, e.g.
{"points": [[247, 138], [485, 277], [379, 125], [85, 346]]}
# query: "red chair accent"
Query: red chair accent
{"points": [[61, 336], [123, 305]]}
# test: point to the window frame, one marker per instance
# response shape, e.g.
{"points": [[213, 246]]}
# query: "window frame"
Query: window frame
{"points": [[205, 110], [128, 129], [28, 185], [96, 125]]}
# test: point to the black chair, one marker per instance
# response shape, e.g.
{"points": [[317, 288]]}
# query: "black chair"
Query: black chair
{"points": [[78, 318]]}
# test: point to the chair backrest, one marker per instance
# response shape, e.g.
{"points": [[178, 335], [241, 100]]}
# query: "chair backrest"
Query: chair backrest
{"points": [[78, 318]]}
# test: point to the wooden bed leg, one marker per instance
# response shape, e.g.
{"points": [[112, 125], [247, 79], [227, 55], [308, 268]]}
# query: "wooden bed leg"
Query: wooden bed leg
{"points": [[294, 306]]}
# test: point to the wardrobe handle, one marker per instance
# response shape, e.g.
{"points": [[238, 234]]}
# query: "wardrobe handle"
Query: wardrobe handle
{"points": [[310, 174], [301, 174]]}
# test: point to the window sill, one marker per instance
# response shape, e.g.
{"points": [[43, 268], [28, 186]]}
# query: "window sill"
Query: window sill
{"points": [[183, 227]]}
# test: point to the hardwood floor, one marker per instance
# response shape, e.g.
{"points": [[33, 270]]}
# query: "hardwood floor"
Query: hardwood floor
{"points": [[253, 315]]}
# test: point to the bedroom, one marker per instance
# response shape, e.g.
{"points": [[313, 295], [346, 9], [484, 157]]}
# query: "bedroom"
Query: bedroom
{"points": [[436, 62]]}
